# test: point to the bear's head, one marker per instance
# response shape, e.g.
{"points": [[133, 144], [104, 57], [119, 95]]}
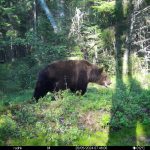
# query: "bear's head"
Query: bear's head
{"points": [[104, 80], [100, 77]]}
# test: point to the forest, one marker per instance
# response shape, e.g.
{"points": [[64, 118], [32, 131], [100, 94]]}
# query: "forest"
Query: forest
{"points": [[113, 34]]}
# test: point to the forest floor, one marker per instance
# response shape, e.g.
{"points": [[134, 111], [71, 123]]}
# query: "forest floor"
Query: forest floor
{"points": [[118, 115]]}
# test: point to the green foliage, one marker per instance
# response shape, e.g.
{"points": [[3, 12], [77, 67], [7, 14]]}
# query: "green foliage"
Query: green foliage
{"points": [[44, 122], [101, 116], [147, 2], [105, 11], [126, 105], [23, 75], [108, 38], [18, 76], [105, 7], [66, 118], [45, 52], [105, 55], [105, 120], [6, 80], [108, 13], [8, 128]]}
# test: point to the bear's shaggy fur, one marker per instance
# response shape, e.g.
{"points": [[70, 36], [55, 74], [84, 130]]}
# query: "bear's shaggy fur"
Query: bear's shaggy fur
{"points": [[70, 74]]}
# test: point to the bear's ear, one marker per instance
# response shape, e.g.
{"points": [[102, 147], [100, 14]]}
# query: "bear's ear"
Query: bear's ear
{"points": [[101, 70]]}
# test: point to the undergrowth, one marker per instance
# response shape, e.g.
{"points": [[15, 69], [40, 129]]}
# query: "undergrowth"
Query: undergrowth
{"points": [[100, 117]]}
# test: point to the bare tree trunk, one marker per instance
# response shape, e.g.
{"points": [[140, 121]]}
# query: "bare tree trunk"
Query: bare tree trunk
{"points": [[139, 34], [35, 15], [118, 40], [49, 15], [35, 22], [61, 13], [95, 59], [11, 45]]}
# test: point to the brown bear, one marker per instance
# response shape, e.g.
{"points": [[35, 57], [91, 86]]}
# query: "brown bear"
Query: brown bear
{"points": [[70, 74]]}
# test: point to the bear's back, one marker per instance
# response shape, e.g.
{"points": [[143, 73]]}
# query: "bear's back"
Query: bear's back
{"points": [[71, 68], [69, 63]]}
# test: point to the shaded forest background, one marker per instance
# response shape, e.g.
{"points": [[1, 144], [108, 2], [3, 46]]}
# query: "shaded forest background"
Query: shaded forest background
{"points": [[96, 30], [110, 33]]}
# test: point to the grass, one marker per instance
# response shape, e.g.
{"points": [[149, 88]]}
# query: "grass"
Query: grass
{"points": [[119, 115]]}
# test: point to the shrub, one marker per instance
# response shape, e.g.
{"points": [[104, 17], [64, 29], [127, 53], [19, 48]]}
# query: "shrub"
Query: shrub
{"points": [[8, 127]]}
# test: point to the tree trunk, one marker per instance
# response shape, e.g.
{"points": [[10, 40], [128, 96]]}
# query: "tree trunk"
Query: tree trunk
{"points": [[49, 15]]}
